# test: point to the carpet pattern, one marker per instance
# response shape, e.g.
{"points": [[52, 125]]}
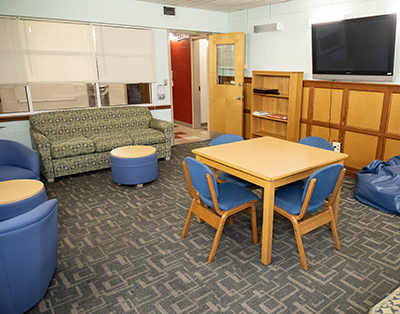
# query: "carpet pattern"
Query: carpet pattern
{"points": [[120, 251]]}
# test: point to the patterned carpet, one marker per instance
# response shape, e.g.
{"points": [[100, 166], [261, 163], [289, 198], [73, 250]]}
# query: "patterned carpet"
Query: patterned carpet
{"points": [[120, 251]]}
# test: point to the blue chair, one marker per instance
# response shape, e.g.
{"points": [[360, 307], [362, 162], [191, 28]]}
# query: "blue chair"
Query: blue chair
{"points": [[226, 199], [28, 257], [226, 177], [18, 161], [316, 141], [294, 201]]}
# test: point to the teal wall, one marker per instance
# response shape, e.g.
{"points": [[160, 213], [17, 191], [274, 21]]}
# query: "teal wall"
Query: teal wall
{"points": [[290, 48], [121, 12], [286, 50]]}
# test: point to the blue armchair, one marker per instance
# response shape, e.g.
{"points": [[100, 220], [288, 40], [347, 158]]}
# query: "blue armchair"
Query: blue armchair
{"points": [[28, 257], [18, 161]]}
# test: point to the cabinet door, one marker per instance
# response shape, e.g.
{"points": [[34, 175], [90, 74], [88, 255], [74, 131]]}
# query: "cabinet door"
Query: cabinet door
{"points": [[226, 53]]}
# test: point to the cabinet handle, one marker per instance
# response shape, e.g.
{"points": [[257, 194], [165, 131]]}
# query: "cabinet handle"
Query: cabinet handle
{"points": [[237, 98]]}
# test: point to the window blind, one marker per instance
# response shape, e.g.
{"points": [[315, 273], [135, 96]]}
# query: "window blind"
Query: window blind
{"points": [[125, 55], [58, 52], [11, 57]]}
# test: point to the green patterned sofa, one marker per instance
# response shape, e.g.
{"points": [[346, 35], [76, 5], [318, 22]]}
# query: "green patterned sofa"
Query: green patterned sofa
{"points": [[75, 141]]}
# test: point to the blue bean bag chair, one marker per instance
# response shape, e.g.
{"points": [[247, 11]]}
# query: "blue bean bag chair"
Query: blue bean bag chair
{"points": [[378, 185]]}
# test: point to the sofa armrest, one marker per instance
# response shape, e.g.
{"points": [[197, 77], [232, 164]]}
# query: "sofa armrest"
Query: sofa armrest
{"points": [[41, 144], [163, 126]]}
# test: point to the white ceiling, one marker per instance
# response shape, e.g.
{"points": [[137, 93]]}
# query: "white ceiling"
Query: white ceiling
{"points": [[216, 5]]}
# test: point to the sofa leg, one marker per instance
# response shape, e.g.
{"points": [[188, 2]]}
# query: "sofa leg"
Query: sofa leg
{"points": [[50, 180], [167, 158]]}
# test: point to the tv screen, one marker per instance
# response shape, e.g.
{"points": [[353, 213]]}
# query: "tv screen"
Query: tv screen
{"points": [[355, 49]]}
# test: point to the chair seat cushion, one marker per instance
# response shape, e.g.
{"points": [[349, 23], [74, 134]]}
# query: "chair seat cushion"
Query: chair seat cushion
{"points": [[73, 146], [231, 195], [147, 136], [14, 173], [108, 141], [233, 179], [289, 197]]}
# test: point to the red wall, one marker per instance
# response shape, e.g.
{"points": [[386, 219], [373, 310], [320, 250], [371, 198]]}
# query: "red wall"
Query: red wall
{"points": [[182, 88]]}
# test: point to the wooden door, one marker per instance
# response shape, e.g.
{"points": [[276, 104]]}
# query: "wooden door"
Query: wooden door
{"points": [[226, 55]]}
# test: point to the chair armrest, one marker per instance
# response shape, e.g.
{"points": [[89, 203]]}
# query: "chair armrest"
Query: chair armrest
{"points": [[163, 126], [41, 144]]}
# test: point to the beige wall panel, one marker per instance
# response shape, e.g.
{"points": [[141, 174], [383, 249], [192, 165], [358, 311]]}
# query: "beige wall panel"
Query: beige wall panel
{"points": [[324, 133], [361, 149], [246, 129], [394, 114], [392, 148], [365, 109], [322, 105], [304, 103]]}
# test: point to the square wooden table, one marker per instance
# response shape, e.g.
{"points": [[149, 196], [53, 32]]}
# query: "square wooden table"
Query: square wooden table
{"points": [[270, 163]]}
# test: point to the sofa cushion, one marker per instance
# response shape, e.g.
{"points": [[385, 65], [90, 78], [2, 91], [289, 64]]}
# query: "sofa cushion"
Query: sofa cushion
{"points": [[146, 137], [108, 141], [72, 147]]}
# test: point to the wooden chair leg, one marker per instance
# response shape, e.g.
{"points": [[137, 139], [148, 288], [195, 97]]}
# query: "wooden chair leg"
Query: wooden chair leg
{"points": [[300, 246], [187, 223], [334, 232], [252, 212], [231, 220], [217, 238]]}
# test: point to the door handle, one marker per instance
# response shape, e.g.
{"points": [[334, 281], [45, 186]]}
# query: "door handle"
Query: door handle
{"points": [[237, 98]]}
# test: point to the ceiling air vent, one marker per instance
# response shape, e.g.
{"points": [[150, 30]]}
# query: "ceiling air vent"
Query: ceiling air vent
{"points": [[170, 11]]}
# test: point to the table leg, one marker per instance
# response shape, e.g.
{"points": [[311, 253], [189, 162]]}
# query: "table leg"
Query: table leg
{"points": [[268, 219]]}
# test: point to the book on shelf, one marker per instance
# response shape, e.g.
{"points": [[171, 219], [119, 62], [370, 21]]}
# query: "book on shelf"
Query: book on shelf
{"points": [[260, 113], [263, 90], [278, 116]]}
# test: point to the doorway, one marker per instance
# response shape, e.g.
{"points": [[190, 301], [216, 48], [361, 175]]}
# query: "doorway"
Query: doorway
{"points": [[189, 85]]}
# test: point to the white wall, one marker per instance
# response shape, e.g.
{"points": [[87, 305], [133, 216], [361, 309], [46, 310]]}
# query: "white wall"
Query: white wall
{"points": [[204, 81], [290, 49]]}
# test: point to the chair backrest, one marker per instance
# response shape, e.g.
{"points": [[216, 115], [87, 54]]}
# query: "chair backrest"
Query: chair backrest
{"points": [[198, 172], [226, 138], [316, 141], [324, 186]]}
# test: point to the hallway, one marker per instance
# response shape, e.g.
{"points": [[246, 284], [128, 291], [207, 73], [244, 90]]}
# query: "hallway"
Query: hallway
{"points": [[183, 134]]}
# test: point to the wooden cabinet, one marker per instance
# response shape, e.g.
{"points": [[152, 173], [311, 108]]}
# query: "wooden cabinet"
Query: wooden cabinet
{"points": [[287, 103]]}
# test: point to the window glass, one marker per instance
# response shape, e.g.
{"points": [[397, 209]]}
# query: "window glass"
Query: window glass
{"points": [[13, 100], [50, 97], [226, 64], [123, 94]]}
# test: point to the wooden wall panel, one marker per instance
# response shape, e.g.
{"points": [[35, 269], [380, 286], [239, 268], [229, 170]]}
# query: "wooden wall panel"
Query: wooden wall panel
{"points": [[392, 148], [394, 115], [247, 106], [361, 149], [327, 105], [364, 119], [304, 105], [365, 110], [327, 133]]}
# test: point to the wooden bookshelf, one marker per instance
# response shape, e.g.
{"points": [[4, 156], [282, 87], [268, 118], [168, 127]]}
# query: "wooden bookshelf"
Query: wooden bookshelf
{"points": [[287, 103]]}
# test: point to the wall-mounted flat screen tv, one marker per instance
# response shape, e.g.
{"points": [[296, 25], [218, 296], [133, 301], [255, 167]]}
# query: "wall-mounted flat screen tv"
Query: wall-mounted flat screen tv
{"points": [[360, 49]]}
